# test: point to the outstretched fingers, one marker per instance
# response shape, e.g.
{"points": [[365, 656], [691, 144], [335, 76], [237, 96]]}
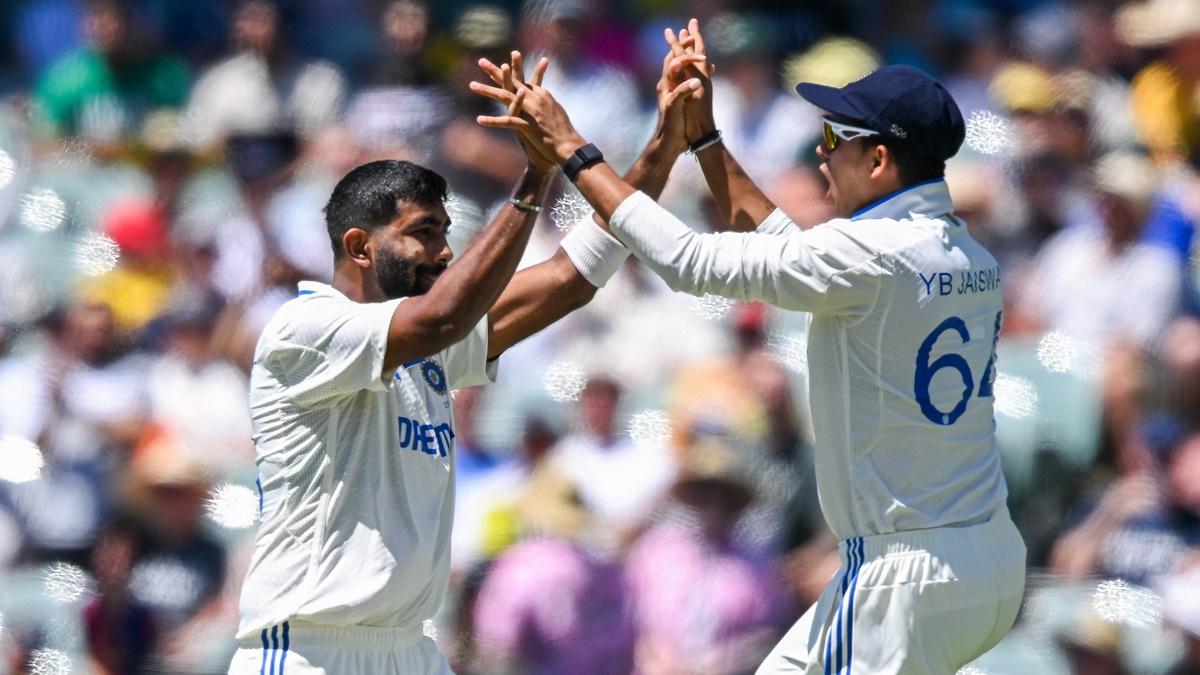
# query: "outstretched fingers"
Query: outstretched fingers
{"points": [[510, 120], [539, 71], [503, 122], [694, 32], [688, 42], [494, 72], [518, 67], [511, 77], [497, 94], [673, 42]]}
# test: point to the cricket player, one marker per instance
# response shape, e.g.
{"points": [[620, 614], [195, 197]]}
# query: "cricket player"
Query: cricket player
{"points": [[906, 309], [350, 402]]}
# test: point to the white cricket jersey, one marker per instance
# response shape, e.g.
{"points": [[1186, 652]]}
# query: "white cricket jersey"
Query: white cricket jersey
{"points": [[355, 465], [901, 351]]}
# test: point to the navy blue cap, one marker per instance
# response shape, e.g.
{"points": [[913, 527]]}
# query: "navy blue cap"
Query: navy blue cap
{"points": [[907, 106]]}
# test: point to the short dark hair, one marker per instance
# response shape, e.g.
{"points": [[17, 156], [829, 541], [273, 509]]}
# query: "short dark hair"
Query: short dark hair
{"points": [[914, 168], [369, 196]]}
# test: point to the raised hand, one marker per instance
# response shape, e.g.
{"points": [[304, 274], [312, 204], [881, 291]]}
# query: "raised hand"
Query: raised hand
{"points": [[671, 129], [512, 79], [538, 118], [698, 111]]}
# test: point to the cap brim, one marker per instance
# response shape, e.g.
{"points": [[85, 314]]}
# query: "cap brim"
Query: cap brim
{"points": [[828, 98]]}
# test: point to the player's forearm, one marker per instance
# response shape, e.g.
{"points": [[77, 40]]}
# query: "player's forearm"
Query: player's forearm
{"points": [[468, 289], [535, 298], [603, 189], [652, 169], [650, 172], [491, 260], [740, 201], [545, 293]]}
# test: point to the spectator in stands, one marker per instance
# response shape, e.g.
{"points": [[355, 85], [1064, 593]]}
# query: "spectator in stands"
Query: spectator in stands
{"points": [[617, 481], [748, 398], [553, 601], [478, 161], [139, 287], [101, 92], [548, 607], [403, 60], [1144, 524], [1110, 292], [95, 386], [401, 111], [559, 29], [720, 608], [196, 394], [484, 479], [210, 244], [121, 634], [759, 119], [263, 88], [180, 568], [525, 498], [1165, 102]]}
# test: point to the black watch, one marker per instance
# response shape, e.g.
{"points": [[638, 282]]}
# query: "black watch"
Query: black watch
{"points": [[583, 158]]}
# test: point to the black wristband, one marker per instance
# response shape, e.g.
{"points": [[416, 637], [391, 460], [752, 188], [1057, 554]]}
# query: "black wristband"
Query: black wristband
{"points": [[583, 158], [705, 141]]}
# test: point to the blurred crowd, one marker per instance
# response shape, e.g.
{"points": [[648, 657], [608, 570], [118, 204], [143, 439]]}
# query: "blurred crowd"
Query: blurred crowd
{"points": [[636, 492]]}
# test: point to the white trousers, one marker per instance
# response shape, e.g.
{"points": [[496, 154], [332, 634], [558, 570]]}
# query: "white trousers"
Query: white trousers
{"points": [[926, 601], [292, 648]]}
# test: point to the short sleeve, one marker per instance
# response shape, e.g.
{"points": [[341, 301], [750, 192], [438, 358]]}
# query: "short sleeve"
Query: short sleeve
{"points": [[325, 349], [467, 363]]}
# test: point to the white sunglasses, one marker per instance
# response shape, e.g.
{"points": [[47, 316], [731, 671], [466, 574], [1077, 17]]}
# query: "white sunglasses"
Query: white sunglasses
{"points": [[833, 131]]}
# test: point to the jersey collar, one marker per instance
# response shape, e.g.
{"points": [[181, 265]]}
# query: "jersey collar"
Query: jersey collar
{"points": [[930, 198], [316, 288]]}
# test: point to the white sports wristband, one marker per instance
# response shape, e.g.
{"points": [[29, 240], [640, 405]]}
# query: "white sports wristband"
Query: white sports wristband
{"points": [[594, 252]]}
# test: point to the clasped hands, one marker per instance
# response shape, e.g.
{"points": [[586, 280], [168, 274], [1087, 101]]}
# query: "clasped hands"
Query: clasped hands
{"points": [[545, 131]]}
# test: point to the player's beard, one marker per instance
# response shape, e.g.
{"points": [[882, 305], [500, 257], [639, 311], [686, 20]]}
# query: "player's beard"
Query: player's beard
{"points": [[399, 277]]}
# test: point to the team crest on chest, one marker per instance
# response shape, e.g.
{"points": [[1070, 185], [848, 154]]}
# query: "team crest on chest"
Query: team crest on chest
{"points": [[434, 376]]}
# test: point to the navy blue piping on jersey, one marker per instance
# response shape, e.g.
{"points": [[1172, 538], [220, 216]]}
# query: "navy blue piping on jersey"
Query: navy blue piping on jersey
{"points": [[835, 635], [854, 561], [897, 193], [842, 604], [850, 606], [262, 668], [269, 651], [286, 643], [412, 363], [306, 292], [829, 653]]}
